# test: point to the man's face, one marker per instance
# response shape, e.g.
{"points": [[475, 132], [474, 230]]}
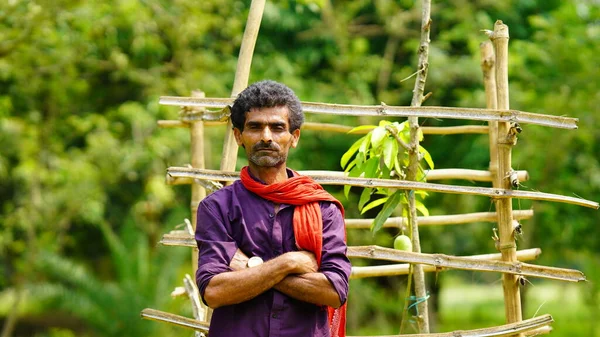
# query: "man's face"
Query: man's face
{"points": [[266, 136]]}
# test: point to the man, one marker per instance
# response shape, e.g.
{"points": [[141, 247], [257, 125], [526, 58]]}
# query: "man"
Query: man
{"points": [[272, 251]]}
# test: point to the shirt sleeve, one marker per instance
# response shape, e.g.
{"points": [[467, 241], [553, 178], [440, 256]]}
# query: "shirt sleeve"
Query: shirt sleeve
{"points": [[335, 265], [216, 247]]}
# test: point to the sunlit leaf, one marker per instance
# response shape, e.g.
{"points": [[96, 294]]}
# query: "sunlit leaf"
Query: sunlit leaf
{"points": [[346, 157], [389, 206], [373, 204], [421, 208], [426, 156], [364, 197], [362, 127], [390, 152], [377, 136]]}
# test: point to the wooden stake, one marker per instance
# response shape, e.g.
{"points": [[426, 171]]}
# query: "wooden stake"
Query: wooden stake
{"points": [[507, 244], [413, 167], [242, 74], [198, 192], [489, 82]]}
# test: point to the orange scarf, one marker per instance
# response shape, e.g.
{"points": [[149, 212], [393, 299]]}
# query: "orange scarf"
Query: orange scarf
{"points": [[305, 194]]}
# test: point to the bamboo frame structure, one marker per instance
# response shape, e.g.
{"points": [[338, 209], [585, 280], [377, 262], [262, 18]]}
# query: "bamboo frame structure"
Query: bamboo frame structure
{"points": [[501, 132], [495, 193], [387, 111]]}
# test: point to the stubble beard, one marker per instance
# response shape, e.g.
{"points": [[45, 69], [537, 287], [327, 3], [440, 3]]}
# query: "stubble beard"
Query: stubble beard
{"points": [[266, 160]]}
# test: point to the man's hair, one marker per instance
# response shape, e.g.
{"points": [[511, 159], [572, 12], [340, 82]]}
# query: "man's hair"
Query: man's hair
{"points": [[267, 94]]}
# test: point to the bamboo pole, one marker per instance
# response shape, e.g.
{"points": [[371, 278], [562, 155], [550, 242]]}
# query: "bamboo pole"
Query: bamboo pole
{"points": [[339, 128], [198, 192], [439, 174], [413, 167], [489, 82], [242, 74], [536, 325], [403, 269], [507, 244], [165, 317], [183, 238], [453, 219], [185, 172], [528, 327], [456, 262], [392, 111]]}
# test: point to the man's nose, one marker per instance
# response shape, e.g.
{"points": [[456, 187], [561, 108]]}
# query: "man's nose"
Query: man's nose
{"points": [[266, 135]]}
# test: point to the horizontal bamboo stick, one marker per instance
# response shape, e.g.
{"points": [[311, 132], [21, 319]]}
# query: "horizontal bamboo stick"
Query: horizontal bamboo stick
{"points": [[428, 130], [391, 111], [403, 269], [510, 329], [432, 220], [161, 316], [532, 324], [184, 172], [439, 174], [454, 262]]}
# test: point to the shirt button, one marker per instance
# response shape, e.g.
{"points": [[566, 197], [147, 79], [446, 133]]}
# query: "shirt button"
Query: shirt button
{"points": [[271, 215]]}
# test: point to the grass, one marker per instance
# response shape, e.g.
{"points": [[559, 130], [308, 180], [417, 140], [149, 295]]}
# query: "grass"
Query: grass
{"points": [[469, 306]]}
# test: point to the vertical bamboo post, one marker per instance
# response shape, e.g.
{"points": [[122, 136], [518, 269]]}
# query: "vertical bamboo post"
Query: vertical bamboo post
{"points": [[489, 83], [242, 73], [419, 88], [198, 192], [506, 244]]}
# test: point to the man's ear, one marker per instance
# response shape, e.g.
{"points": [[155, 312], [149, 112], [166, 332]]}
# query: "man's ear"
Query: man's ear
{"points": [[295, 137], [238, 136]]}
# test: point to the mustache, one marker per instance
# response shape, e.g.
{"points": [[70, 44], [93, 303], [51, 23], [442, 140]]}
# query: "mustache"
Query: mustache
{"points": [[265, 146]]}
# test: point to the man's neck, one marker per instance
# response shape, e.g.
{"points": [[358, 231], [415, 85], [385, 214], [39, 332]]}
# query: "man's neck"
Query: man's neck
{"points": [[269, 175]]}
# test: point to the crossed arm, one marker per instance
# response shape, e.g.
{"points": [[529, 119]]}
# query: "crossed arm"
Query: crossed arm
{"points": [[294, 274]]}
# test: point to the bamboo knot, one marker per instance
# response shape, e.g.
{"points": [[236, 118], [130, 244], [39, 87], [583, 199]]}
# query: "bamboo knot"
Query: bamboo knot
{"points": [[516, 267]]}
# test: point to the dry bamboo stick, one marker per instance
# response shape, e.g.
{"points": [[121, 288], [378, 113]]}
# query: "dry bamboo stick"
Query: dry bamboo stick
{"points": [[506, 242], [453, 219], [418, 275], [184, 172], [242, 73], [395, 111], [403, 269], [489, 80], [428, 130], [166, 317], [454, 262], [439, 174], [181, 238], [198, 192], [523, 327]]}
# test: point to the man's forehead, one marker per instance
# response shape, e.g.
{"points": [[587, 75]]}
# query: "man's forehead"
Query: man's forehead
{"points": [[268, 115]]}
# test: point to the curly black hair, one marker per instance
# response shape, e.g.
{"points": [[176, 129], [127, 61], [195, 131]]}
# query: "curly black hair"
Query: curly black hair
{"points": [[267, 94]]}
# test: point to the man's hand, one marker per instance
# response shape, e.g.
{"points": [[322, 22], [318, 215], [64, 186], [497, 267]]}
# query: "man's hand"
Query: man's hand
{"points": [[305, 262], [239, 261]]}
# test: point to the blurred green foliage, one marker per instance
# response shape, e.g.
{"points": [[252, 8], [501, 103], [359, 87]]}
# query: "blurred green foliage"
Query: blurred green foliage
{"points": [[81, 156]]}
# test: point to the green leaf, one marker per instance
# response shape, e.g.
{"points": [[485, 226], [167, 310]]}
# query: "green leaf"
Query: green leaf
{"points": [[346, 157], [377, 136], [389, 206], [421, 208], [370, 168], [383, 123], [373, 204], [397, 167], [355, 172], [364, 145], [390, 152], [362, 127], [364, 197], [426, 156]]}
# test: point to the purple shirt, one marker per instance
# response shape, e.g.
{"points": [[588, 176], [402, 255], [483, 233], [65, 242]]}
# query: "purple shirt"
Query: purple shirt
{"points": [[234, 217]]}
